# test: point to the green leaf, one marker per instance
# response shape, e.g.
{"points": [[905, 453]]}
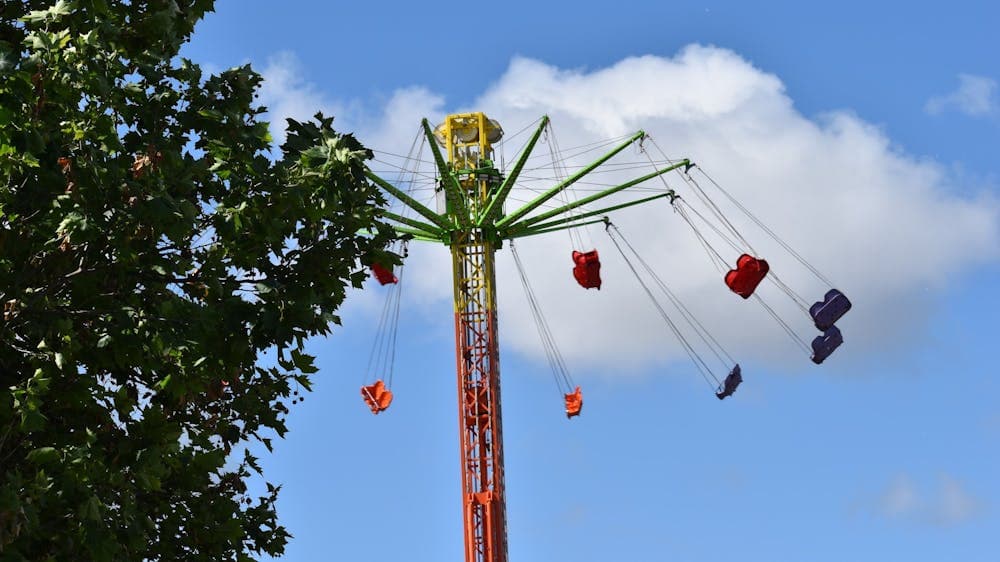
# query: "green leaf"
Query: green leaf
{"points": [[61, 39], [32, 420], [303, 362], [163, 383], [212, 114], [53, 13], [43, 456], [71, 223], [90, 509]]}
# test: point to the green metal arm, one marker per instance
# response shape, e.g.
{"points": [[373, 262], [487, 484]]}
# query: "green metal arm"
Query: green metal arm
{"points": [[452, 191], [554, 229], [429, 228], [496, 203], [417, 233], [541, 228], [409, 201], [527, 222], [541, 199]]}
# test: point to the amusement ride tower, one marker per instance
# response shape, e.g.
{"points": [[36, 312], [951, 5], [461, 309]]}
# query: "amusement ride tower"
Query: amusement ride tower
{"points": [[473, 225]]}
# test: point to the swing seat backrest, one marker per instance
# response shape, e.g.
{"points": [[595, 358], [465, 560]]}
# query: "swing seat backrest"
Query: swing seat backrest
{"points": [[749, 272], [824, 345], [384, 275], [732, 381], [574, 403], [587, 269], [827, 311], [377, 396]]}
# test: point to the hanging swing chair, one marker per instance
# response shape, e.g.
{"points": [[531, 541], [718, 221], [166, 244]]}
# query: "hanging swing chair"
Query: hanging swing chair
{"points": [[749, 272], [573, 399], [728, 386], [375, 390], [384, 275], [586, 264], [377, 396], [587, 269], [735, 377], [574, 403], [827, 311], [824, 345], [824, 313]]}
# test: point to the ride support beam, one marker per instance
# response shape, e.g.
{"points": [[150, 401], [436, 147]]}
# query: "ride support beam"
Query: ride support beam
{"points": [[579, 220], [555, 228], [407, 200], [416, 233], [541, 199], [452, 190], [595, 197], [428, 228], [484, 511], [496, 202], [481, 435]]}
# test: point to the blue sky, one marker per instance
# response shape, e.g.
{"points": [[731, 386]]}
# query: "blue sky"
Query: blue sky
{"points": [[866, 134]]}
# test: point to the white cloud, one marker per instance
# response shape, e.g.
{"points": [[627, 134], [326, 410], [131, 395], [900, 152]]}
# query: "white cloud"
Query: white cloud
{"points": [[976, 96], [950, 504], [955, 503], [287, 93], [884, 226], [900, 498]]}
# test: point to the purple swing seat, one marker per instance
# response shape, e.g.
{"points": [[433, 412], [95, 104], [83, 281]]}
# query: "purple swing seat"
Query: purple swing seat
{"points": [[827, 311], [824, 345], [729, 385]]}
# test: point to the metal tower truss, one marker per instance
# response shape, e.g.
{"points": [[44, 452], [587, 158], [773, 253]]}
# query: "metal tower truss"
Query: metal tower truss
{"points": [[473, 226]]}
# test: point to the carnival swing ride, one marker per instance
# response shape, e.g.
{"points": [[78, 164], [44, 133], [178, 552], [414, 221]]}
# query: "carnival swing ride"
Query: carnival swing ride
{"points": [[471, 195]]}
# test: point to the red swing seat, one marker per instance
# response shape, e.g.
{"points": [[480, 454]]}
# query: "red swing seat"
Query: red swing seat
{"points": [[587, 269], [385, 276], [749, 272]]}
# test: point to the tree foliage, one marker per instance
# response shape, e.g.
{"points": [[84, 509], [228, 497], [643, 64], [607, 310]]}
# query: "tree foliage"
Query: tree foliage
{"points": [[152, 247]]}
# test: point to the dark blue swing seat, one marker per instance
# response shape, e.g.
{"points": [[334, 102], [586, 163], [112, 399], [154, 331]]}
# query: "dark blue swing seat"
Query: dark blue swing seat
{"points": [[729, 385], [827, 311], [824, 345]]}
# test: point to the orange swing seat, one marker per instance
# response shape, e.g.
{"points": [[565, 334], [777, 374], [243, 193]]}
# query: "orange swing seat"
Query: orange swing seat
{"points": [[574, 403], [377, 396]]}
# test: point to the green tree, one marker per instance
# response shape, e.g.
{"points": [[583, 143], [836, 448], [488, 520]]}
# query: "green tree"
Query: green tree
{"points": [[151, 249]]}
